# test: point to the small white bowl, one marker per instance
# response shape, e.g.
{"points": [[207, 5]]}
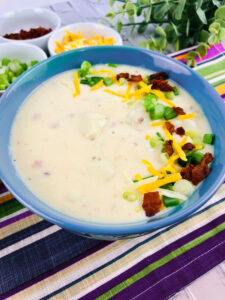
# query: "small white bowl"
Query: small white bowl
{"points": [[27, 18], [23, 52], [87, 29]]}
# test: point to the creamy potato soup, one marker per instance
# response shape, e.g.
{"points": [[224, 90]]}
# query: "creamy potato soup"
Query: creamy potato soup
{"points": [[111, 143]]}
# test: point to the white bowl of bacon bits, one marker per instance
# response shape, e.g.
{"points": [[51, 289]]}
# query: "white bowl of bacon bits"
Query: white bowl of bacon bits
{"points": [[29, 25]]}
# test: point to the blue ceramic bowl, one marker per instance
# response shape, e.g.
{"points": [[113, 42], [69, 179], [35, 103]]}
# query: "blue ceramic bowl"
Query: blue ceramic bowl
{"points": [[199, 88]]}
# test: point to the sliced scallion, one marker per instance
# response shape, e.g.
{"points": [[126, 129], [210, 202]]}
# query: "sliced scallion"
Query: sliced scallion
{"points": [[157, 112], [130, 196], [169, 95], [209, 138], [169, 113], [112, 65], [168, 202]]}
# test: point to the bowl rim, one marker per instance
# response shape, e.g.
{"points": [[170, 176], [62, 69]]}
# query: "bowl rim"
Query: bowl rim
{"points": [[118, 229], [34, 9], [59, 30]]}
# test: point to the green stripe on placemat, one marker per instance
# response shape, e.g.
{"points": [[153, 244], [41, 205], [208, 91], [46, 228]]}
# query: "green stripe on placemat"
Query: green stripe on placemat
{"points": [[10, 207], [161, 262]]}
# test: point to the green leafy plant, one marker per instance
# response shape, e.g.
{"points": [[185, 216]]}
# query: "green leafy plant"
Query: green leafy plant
{"points": [[181, 23]]}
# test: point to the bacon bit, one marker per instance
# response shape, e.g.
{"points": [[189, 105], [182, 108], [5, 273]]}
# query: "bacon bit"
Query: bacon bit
{"points": [[180, 131], [135, 78], [140, 120], [188, 147], [179, 110], [28, 34], [159, 75], [170, 127], [37, 164], [197, 173], [169, 148], [122, 75], [161, 85], [186, 172], [208, 158], [47, 173], [151, 203]]}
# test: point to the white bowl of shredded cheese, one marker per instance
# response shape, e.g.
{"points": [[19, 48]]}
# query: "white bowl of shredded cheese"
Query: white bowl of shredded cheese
{"points": [[80, 35]]}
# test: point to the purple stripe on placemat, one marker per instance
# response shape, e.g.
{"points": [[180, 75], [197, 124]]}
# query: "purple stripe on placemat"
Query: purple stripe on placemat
{"points": [[213, 51], [15, 219], [55, 270], [3, 189], [170, 278], [154, 257]]}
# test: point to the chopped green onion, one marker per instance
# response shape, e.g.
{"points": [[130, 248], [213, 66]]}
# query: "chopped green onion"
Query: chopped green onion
{"points": [[15, 66], [24, 66], [112, 65], [107, 81], [148, 79], [4, 79], [33, 62], [135, 180], [163, 150], [149, 102], [91, 81], [84, 69], [183, 163], [122, 81], [197, 141], [169, 113], [168, 202], [209, 138], [138, 86], [175, 90], [5, 61], [168, 186], [10, 70], [160, 137], [192, 134], [154, 141], [157, 112], [196, 157], [130, 196], [129, 103], [169, 95]]}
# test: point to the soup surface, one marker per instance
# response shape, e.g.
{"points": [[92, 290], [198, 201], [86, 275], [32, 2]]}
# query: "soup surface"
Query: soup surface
{"points": [[81, 153]]}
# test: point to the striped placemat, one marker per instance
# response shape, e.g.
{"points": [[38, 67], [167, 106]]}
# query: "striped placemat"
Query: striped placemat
{"points": [[39, 260]]}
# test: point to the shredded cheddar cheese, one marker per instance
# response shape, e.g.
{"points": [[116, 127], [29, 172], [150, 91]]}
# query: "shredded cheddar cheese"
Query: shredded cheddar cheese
{"points": [[187, 116], [198, 147], [151, 169], [76, 84], [184, 140], [141, 91], [114, 93], [97, 86], [107, 71], [147, 137], [74, 41], [160, 123], [175, 144], [162, 97], [127, 93], [149, 187], [136, 96], [138, 177]]}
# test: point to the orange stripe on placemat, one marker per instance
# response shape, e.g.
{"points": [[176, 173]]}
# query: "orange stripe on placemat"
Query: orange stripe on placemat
{"points": [[6, 198], [181, 56], [220, 89]]}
